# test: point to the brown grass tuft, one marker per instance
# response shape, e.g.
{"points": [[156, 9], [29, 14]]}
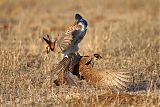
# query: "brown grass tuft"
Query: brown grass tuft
{"points": [[134, 44]]}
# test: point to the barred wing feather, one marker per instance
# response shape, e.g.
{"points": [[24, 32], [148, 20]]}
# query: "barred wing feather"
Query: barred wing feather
{"points": [[64, 42], [65, 67]]}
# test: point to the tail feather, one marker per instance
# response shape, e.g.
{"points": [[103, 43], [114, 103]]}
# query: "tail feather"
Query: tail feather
{"points": [[47, 40], [78, 17], [70, 79]]}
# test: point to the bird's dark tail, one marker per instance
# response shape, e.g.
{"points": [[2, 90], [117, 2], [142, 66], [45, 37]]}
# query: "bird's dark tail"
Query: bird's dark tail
{"points": [[78, 17], [47, 40]]}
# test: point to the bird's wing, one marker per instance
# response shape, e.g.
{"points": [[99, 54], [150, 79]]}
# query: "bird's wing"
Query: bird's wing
{"points": [[65, 39], [118, 79], [103, 77], [65, 67], [62, 65], [71, 29], [64, 42]]}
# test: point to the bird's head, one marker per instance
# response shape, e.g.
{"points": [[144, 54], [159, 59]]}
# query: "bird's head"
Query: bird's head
{"points": [[89, 60], [97, 56]]}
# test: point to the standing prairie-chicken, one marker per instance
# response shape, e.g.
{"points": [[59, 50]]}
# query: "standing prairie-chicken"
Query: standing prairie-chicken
{"points": [[83, 68], [67, 42]]}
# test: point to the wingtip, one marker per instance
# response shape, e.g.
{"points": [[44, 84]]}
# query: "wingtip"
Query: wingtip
{"points": [[78, 17]]}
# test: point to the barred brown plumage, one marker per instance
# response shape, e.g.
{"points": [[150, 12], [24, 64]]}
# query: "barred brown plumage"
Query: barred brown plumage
{"points": [[95, 77], [67, 42], [64, 70]]}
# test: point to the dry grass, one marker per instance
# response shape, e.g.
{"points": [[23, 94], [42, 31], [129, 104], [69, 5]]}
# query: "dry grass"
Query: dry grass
{"points": [[125, 32]]}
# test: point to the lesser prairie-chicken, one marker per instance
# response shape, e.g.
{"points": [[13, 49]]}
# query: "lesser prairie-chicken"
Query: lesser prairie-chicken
{"points": [[67, 42], [82, 67]]}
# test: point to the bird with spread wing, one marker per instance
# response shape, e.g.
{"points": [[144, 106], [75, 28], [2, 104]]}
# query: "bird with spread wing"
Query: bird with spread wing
{"points": [[67, 42], [82, 67]]}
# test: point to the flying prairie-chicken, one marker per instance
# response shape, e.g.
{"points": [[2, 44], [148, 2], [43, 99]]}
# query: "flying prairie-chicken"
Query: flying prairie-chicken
{"points": [[82, 67], [67, 42]]}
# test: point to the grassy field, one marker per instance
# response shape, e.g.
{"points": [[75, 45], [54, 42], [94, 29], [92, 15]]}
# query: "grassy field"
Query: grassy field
{"points": [[125, 32]]}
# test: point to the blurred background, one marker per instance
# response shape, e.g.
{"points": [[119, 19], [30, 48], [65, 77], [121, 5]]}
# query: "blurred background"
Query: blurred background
{"points": [[125, 32], [29, 20]]}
